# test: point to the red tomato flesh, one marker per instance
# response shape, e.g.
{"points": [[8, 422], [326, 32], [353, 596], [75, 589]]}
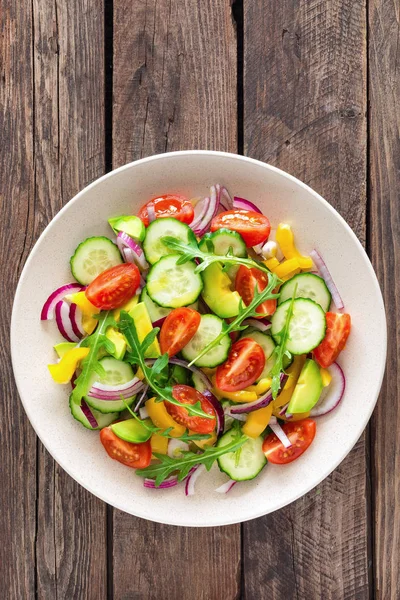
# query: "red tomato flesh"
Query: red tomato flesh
{"points": [[178, 329], [245, 283], [252, 226], [243, 366], [188, 395], [137, 456], [114, 287], [169, 205], [337, 331], [300, 433]]}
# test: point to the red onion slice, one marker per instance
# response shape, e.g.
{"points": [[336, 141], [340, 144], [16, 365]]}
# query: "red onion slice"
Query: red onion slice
{"points": [[131, 251], [141, 397], [75, 316], [219, 411], [176, 447], [101, 391], [228, 413], [204, 379], [168, 483], [211, 211], [325, 274], [49, 306], [245, 204], [159, 322], [89, 415], [64, 322], [332, 394], [151, 213], [225, 198], [192, 478], [200, 212], [261, 402], [143, 413], [278, 431], [226, 487], [258, 324]]}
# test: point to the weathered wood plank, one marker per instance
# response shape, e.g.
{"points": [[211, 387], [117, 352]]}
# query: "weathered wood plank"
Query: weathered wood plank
{"points": [[69, 153], [305, 111], [17, 440], [384, 65], [174, 88]]}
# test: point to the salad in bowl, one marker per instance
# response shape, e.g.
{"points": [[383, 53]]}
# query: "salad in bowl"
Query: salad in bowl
{"points": [[196, 333]]}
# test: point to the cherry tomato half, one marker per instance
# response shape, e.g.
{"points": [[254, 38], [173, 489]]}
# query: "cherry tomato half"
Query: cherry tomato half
{"points": [[252, 226], [188, 395], [245, 283], [114, 287], [137, 456], [337, 331], [300, 433], [169, 205], [178, 329], [243, 366]]}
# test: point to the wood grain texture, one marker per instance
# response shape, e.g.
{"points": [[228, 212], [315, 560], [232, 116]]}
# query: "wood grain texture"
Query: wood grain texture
{"points": [[174, 88], [305, 111], [384, 63], [69, 153], [17, 440]]}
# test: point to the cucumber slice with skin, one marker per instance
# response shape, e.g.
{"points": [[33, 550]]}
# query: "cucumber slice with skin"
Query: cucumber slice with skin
{"points": [[93, 256], [221, 241], [102, 419], [268, 345], [117, 372], [210, 327], [310, 286], [171, 285], [131, 431], [246, 462], [131, 225], [306, 328], [153, 246], [157, 312]]}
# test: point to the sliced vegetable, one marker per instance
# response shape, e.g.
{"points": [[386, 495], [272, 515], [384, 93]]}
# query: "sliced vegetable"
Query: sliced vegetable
{"points": [[63, 371], [168, 205], [217, 292], [280, 434], [90, 418], [137, 456], [144, 326], [284, 237], [306, 327], [192, 478], [257, 421], [324, 271], [131, 251], [332, 394], [162, 419], [308, 286], [188, 395], [173, 285], [223, 241], [245, 204], [130, 225], [244, 463], [48, 310], [93, 256], [308, 389], [210, 327], [115, 389], [247, 280], [219, 412], [178, 329], [132, 431], [64, 324], [244, 365], [261, 402], [154, 247], [337, 331], [300, 435], [226, 487], [252, 226], [114, 287]]}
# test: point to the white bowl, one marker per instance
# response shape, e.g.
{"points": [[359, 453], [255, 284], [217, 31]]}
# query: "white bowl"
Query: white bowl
{"points": [[282, 198]]}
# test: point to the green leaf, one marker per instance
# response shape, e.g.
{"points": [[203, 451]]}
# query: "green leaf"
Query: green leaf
{"points": [[182, 465], [90, 364], [149, 339]]}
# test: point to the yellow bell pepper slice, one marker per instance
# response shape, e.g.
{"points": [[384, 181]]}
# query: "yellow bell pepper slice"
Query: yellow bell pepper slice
{"points": [[87, 308], [326, 377], [271, 263], [143, 326], [287, 268], [205, 443], [257, 421], [285, 239], [261, 387], [127, 306], [241, 396], [162, 419], [293, 373], [63, 371], [159, 444]]}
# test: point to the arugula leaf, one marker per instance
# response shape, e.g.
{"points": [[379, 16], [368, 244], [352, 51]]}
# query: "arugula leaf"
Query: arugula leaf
{"points": [[281, 351], [90, 364], [182, 465], [191, 251], [152, 374], [245, 312]]}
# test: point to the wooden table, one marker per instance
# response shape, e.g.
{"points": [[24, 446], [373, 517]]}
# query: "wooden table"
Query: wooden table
{"points": [[311, 86]]}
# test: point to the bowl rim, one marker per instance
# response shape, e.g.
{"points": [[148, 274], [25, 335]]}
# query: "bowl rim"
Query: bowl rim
{"points": [[149, 159]]}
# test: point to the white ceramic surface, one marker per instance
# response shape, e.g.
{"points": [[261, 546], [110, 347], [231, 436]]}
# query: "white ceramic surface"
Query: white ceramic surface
{"points": [[282, 198]]}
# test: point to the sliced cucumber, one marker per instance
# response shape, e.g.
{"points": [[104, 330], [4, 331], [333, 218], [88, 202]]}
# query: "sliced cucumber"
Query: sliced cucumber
{"points": [[198, 383], [246, 462], [153, 246], [156, 312], [210, 327], [117, 372], [306, 328], [223, 240], [102, 420], [171, 285], [131, 225], [92, 257], [308, 285]]}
